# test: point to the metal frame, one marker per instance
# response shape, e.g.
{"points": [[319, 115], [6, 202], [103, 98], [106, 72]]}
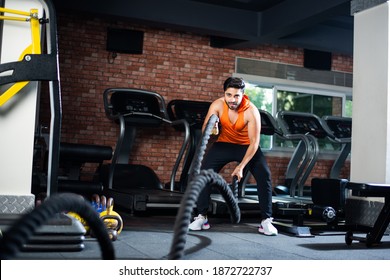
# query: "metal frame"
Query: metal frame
{"points": [[36, 66]]}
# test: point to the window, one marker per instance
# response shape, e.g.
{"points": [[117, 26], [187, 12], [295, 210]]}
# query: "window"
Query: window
{"points": [[262, 97], [274, 98]]}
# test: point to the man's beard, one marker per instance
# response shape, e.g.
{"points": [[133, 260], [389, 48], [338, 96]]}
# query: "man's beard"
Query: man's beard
{"points": [[232, 105]]}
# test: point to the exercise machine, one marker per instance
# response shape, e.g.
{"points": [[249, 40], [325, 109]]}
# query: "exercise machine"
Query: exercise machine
{"points": [[325, 198], [309, 126], [21, 80], [329, 194], [286, 203], [136, 187], [339, 131], [247, 194], [194, 112], [291, 201], [268, 127], [375, 232], [73, 157]]}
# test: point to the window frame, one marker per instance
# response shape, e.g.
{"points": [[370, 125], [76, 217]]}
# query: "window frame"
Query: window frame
{"points": [[345, 93]]}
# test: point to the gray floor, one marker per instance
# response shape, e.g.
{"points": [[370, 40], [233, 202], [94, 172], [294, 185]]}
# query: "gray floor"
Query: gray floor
{"points": [[150, 237]]}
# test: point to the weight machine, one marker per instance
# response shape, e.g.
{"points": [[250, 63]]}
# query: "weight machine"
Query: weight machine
{"points": [[18, 96]]}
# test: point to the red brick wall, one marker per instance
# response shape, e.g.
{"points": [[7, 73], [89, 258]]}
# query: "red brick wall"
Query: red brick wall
{"points": [[175, 64]]}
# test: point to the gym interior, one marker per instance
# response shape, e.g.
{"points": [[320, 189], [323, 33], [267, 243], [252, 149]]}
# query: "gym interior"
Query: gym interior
{"points": [[101, 110]]}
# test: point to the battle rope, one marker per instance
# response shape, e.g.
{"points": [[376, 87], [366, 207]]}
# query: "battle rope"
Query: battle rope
{"points": [[197, 180], [188, 201], [15, 237], [199, 153], [18, 234], [201, 148]]}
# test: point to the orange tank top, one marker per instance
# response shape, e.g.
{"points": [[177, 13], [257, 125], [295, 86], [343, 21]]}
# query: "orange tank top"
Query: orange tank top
{"points": [[236, 133]]}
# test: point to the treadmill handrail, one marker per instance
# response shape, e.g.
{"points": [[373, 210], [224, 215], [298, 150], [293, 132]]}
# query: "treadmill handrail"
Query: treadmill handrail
{"points": [[304, 162], [312, 161], [325, 131], [182, 149], [194, 113], [122, 123], [346, 148], [310, 154], [306, 149]]}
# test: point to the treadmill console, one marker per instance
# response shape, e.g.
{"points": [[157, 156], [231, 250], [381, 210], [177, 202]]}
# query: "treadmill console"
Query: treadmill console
{"points": [[194, 112], [268, 124], [123, 103], [341, 127], [302, 123], [137, 107]]}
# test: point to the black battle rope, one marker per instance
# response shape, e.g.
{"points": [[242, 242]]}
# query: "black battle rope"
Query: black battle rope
{"points": [[18, 234], [188, 201], [201, 148], [234, 186], [198, 156]]}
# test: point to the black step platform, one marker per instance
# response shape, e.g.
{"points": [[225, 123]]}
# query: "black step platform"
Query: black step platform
{"points": [[61, 233], [375, 233]]}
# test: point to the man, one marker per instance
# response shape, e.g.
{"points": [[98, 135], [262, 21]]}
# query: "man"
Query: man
{"points": [[238, 141]]}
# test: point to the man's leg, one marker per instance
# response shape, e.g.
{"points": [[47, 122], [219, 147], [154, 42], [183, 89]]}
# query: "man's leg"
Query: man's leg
{"points": [[260, 170], [215, 159]]}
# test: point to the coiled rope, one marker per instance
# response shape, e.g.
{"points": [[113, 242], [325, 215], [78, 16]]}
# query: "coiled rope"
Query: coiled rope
{"points": [[18, 234], [198, 179], [188, 201]]}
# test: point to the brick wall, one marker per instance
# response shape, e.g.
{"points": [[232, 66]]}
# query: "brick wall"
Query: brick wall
{"points": [[175, 64]]}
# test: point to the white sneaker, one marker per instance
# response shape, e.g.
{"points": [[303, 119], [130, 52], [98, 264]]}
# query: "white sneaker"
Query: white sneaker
{"points": [[267, 228], [199, 223]]}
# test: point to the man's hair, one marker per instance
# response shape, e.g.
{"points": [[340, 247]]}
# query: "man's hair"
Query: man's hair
{"points": [[234, 82]]}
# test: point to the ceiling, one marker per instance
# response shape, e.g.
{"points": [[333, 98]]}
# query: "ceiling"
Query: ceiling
{"points": [[324, 25]]}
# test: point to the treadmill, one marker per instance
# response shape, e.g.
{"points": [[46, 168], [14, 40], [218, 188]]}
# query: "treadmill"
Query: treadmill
{"points": [[60, 233], [326, 197], [309, 125], [194, 112], [329, 194], [340, 132], [247, 194], [136, 187], [285, 202], [303, 158]]}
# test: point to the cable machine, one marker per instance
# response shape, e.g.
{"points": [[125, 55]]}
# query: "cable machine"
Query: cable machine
{"points": [[18, 94]]}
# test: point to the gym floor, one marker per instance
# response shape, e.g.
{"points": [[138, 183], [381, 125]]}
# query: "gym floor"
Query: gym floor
{"points": [[149, 237]]}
